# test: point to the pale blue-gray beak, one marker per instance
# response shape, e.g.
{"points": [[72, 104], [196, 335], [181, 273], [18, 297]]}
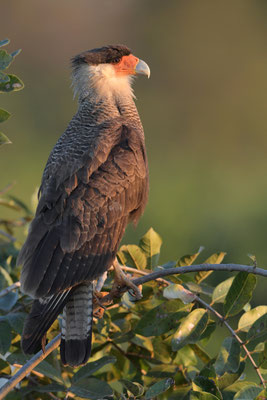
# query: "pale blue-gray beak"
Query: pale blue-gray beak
{"points": [[142, 68]]}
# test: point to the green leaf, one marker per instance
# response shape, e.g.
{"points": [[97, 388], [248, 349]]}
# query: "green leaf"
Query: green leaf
{"points": [[230, 391], [5, 59], [201, 288], [4, 115], [48, 370], [52, 387], [19, 204], [44, 367], [10, 204], [91, 388], [221, 290], [229, 357], [4, 77], [15, 53], [16, 321], [228, 379], [186, 356], [165, 317], [248, 393], [190, 329], [3, 138], [5, 336], [202, 355], [250, 317], [132, 256], [201, 396], [6, 275], [142, 341], [163, 371], [161, 350], [188, 259], [239, 293], [150, 243], [262, 395], [263, 357], [4, 42], [210, 328], [14, 84], [90, 368], [216, 258], [258, 332], [205, 384], [176, 291], [4, 367], [133, 387], [159, 387], [8, 301]]}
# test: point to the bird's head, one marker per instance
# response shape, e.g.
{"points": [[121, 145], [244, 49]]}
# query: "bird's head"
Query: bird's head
{"points": [[106, 72]]}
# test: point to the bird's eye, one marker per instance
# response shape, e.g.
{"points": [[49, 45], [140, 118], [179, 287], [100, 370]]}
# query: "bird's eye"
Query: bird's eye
{"points": [[116, 60]]}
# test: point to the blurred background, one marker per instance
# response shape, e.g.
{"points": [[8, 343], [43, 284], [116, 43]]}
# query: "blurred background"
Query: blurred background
{"points": [[203, 110]]}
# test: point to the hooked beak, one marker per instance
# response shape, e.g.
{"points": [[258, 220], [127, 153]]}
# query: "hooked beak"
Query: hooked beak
{"points": [[142, 68]]}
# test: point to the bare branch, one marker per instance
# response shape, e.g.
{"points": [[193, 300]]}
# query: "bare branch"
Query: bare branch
{"points": [[28, 367], [200, 267], [7, 235], [233, 333], [142, 272], [9, 289], [7, 188]]}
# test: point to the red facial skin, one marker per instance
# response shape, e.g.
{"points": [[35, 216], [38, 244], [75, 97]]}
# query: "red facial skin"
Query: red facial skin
{"points": [[126, 66]]}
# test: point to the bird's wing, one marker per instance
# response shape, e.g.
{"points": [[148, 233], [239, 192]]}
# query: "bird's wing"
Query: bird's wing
{"points": [[85, 205]]}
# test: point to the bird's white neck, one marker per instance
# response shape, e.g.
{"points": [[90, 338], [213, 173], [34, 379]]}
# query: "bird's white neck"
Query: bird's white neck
{"points": [[101, 83]]}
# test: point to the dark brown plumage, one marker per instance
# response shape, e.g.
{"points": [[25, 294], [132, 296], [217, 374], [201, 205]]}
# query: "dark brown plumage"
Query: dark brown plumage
{"points": [[95, 182]]}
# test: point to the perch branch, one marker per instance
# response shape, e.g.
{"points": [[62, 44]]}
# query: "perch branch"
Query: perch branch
{"points": [[200, 267], [9, 289], [28, 367]]}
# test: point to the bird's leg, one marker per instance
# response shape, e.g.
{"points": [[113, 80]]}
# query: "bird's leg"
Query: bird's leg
{"points": [[100, 282], [98, 305], [121, 280]]}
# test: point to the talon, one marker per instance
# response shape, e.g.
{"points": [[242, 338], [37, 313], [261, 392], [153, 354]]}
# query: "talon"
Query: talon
{"points": [[122, 280]]}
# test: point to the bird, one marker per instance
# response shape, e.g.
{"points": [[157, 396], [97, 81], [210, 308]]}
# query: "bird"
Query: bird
{"points": [[95, 182]]}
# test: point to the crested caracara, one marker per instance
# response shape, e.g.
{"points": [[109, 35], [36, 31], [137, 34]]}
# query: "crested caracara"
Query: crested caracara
{"points": [[95, 182]]}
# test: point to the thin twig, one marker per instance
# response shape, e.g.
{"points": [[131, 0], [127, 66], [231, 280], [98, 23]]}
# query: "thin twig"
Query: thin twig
{"points": [[28, 367], [31, 379], [221, 318], [9, 289], [142, 272], [7, 188], [7, 235]]}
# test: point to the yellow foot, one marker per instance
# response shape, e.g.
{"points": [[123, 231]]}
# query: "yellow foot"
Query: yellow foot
{"points": [[122, 280], [99, 307]]}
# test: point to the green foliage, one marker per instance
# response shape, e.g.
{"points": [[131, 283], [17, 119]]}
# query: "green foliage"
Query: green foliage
{"points": [[153, 349], [8, 82]]}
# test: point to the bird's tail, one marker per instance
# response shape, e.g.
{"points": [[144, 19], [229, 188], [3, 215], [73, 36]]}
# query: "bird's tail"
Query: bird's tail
{"points": [[43, 313], [76, 337]]}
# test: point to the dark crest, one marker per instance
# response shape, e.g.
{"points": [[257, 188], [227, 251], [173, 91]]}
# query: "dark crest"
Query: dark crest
{"points": [[102, 55]]}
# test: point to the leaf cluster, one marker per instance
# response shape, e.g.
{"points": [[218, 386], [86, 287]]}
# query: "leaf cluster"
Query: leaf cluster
{"points": [[155, 348], [8, 82]]}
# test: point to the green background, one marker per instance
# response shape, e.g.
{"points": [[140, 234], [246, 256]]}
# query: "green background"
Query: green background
{"points": [[203, 110]]}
